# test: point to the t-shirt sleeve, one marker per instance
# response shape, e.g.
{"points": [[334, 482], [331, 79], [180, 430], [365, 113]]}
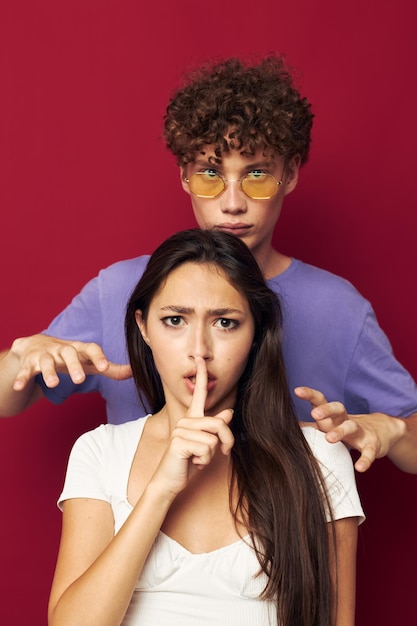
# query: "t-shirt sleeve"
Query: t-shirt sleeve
{"points": [[79, 321], [85, 477], [376, 381], [97, 315], [338, 473]]}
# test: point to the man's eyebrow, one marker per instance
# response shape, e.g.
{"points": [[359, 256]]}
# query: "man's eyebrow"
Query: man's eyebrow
{"points": [[174, 308], [257, 165], [205, 162]]}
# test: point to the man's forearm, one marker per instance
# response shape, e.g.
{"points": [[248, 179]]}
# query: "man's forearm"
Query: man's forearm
{"points": [[404, 452], [13, 402]]}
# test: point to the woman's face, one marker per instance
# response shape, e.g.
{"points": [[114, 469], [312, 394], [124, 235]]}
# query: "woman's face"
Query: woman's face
{"points": [[197, 312]]}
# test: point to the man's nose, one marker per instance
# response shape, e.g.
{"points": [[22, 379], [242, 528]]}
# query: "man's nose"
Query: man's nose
{"points": [[233, 200]]}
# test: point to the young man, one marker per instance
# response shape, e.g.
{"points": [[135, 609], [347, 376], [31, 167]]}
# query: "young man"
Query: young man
{"points": [[240, 134]]}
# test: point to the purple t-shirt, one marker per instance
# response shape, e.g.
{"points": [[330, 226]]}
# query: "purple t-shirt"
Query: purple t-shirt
{"points": [[332, 342]]}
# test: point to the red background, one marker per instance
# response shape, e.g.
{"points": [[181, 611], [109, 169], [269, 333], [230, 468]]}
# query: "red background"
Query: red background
{"points": [[85, 181]]}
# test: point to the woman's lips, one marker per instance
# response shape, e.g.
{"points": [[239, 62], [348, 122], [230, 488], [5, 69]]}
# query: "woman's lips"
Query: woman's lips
{"points": [[190, 382]]}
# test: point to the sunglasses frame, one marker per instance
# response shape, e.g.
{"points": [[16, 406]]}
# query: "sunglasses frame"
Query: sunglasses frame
{"points": [[232, 180]]}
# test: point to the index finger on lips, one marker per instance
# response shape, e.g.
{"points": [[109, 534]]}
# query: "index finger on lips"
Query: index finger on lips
{"points": [[199, 397]]}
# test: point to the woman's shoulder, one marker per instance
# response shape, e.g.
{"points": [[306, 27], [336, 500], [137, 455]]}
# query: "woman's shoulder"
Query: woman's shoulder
{"points": [[338, 473], [322, 449], [111, 437]]}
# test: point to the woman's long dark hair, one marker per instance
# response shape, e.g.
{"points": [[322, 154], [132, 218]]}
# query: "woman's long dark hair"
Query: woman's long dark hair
{"points": [[281, 495]]}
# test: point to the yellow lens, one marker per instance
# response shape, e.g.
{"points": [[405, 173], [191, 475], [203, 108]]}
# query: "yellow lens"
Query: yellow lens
{"points": [[205, 184], [260, 186]]}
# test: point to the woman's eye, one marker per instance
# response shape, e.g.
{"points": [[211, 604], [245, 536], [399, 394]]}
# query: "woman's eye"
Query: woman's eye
{"points": [[226, 324], [173, 320]]}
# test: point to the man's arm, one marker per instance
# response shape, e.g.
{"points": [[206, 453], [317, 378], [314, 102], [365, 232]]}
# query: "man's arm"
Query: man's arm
{"points": [[42, 354], [374, 435], [13, 401]]}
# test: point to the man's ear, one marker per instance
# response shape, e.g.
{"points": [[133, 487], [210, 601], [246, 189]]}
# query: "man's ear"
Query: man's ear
{"points": [[142, 326], [291, 174], [183, 176]]}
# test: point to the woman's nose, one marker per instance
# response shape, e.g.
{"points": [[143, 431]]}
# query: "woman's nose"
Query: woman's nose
{"points": [[200, 343]]}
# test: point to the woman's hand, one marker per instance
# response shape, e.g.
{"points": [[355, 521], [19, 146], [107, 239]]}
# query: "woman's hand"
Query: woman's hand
{"points": [[195, 439]]}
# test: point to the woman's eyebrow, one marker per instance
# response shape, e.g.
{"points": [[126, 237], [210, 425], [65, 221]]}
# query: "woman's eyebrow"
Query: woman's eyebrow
{"points": [[174, 308], [177, 308]]}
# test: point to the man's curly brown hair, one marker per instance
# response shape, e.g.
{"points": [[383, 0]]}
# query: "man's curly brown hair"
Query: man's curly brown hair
{"points": [[236, 106]]}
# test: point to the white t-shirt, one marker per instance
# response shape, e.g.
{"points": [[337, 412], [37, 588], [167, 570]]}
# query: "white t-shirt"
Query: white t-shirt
{"points": [[177, 587]]}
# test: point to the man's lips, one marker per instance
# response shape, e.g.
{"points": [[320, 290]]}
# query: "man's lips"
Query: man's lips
{"points": [[238, 228]]}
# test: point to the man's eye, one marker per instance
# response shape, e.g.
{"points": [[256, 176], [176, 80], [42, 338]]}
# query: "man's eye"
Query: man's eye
{"points": [[210, 174], [173, 320], [226, 324], [256, 175]]}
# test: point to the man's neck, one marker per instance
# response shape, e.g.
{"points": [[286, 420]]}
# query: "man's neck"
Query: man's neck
{"points": [[273, 263]]}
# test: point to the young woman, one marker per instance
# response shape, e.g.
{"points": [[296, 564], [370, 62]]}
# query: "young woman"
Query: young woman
{"points": [[217, 508]]}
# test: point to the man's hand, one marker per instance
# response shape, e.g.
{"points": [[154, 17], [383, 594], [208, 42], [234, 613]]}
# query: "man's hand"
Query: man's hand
{"points": [[49, 356], [374, 435]]}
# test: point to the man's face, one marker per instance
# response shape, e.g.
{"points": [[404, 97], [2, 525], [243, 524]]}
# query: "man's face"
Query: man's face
{"points": [[232, 210]]}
